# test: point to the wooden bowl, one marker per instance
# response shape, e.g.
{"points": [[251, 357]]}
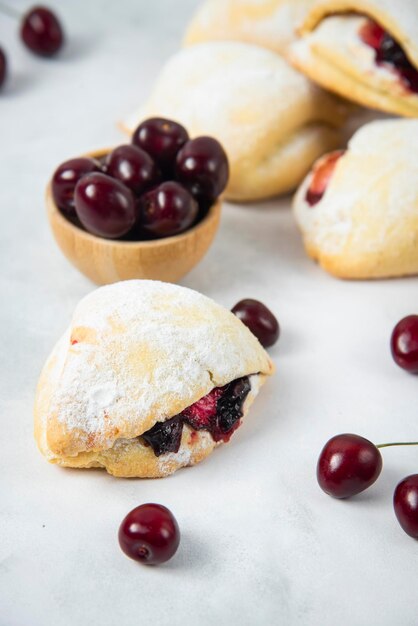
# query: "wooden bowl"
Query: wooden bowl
{"points": [[107, 261]]}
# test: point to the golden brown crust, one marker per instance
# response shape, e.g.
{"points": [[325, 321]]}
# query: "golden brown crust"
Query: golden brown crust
{"points": [[366, 224], [136, 353], [332, 54]]}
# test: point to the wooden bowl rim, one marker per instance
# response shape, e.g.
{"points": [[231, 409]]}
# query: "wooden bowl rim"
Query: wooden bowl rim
{"points": [[54, 211]]}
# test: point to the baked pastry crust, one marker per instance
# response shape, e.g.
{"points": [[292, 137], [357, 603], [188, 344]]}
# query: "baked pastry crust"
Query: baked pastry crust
{"points": [[272, 121], [366, 224], [332, 54], [137, 353], [267, 23]]}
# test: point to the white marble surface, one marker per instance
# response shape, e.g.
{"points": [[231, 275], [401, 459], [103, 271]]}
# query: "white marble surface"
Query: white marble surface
{"points": [[261, 543]]}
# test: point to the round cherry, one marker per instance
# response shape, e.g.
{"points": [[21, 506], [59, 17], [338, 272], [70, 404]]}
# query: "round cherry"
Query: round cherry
{"points": [[167, 210], [66, 177], [161, 139], [259, 319], [202, 166], [405, 503], [3, 67], [322, 174], [149, 534], [404, 344], [347, 465], [104, 206], [133, 167], [41, 31]]}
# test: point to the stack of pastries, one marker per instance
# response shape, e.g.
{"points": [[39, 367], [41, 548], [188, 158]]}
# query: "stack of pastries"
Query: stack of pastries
{"points": [[275, 81]]}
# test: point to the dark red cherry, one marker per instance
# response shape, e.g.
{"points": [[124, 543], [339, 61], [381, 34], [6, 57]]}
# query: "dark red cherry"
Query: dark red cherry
{"points": [[405, 503], [149, 534], [404, 344], [161, 139], [134, 168], [259, 319], [388, 52], [321, 176], [167, 210], [41, 31], [202, 166], [104, 206], [347, 465], [66, 177], [3, 66]]}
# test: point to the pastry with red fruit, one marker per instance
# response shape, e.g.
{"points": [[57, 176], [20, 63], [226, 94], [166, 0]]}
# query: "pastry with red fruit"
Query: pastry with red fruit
{"points": [[358, 209], [271, 121], [363, 50], [148, 378]]}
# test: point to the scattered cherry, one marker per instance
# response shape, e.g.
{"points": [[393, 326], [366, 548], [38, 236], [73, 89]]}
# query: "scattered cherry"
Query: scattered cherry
{"points": [[133, 167], [347, 465], [149, 534], [167, 210], [41, 31], [259, 319], [405, 502], [65, 178], [161, 139], [322, 174], [202, 167], [404, 344], [3, 67], [104, 206]]}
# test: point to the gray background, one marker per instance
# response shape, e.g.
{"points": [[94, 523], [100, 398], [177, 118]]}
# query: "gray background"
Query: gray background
{"points": [[261, 543]]}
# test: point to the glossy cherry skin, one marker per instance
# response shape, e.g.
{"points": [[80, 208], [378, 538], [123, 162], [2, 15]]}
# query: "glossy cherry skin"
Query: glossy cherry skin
{"points": [[134, 168], [322, 174], [404, 344], [149, 534], [3, 67], [41, 31], [65, 178], [405, 503], [347, 465], [161, 139], [259, 319], [167, 210], [202, 166], [104, 206]]}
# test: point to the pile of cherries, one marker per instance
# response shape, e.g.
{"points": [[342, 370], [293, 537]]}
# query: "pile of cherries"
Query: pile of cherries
{"points": [[160, 185], [40, 31], [349, 464]]}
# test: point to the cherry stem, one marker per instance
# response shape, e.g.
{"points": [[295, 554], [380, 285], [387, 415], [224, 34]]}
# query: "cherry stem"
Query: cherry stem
{"points": [[401, 443], [10, 11]]}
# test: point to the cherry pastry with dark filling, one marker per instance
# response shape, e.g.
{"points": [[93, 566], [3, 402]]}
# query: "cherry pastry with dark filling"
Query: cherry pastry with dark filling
{"points": [[219, 413]]}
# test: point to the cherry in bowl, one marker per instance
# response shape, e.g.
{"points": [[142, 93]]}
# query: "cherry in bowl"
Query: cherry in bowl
{"points": [[259, 319], [167, 210], [104, 206], [347, 465], [202, 167], [65, 179], [41, 31], [133, 167], [161, 139], [149, 534]]}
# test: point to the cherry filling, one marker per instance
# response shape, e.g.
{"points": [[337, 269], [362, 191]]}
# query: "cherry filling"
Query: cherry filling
{"points": [[219, 413], [322, 173], [389, 52]]}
